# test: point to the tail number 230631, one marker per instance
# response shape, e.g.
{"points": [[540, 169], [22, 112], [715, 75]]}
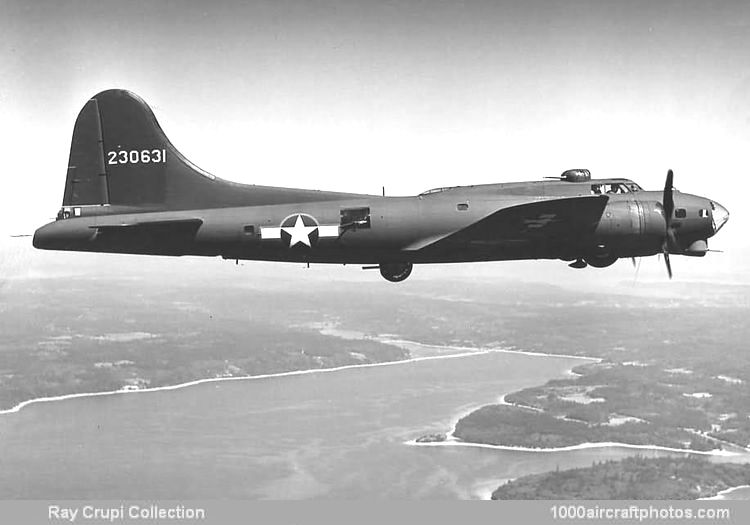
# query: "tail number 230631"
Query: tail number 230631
{"points": [[135, 156]]}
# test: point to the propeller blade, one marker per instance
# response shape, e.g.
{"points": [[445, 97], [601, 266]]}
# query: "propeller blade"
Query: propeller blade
{"points": [[670, 239], [637, 269], [668, 199]]}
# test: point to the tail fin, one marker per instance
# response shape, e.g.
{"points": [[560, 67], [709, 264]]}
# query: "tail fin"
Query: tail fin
{"points": [[120, 156]]}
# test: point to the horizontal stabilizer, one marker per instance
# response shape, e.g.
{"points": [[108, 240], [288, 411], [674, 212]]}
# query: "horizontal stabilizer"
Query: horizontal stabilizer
{"points": [[156, 237]]}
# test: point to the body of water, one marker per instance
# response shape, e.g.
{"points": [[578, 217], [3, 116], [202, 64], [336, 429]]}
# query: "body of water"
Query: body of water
{"points": [[336, 434]]}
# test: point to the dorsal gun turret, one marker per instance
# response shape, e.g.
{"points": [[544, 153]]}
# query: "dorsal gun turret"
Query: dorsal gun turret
{"points": [[576, 176]]}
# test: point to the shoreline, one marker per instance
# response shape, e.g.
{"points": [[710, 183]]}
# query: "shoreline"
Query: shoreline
{"points": [[719, 496], [399, 342], [463, 352], [453, 442], [483, 491], [486, 495]]}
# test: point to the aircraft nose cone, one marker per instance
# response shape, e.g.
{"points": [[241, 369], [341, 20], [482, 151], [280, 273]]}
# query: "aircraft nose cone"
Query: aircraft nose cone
{"points": [[720, 215]]}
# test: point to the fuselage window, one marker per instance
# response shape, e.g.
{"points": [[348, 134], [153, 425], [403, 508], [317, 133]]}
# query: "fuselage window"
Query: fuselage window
{"points": [[462, 206], [703, 213], [355, 218], [680, 213], [249, 229]]}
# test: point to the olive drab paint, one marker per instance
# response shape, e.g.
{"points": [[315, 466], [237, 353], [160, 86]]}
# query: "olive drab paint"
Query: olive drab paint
{"points": [[129, 190]]}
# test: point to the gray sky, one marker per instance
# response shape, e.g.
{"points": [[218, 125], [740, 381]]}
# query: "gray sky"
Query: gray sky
{"points": [[354, 95]]}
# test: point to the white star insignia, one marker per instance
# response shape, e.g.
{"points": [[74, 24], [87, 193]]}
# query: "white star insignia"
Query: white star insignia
{"points": [[299, 232]]}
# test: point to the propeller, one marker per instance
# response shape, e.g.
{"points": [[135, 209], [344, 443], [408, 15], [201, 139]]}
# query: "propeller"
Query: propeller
{"points": [[668, 205]]}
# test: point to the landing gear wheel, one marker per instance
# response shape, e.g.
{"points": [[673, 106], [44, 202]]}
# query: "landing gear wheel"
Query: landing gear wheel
{"points": [[395, 272], [601, 261]]}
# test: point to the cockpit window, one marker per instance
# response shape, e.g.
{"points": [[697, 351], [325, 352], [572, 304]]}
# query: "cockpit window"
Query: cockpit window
{"points": [[703, 213], [612, 188]]}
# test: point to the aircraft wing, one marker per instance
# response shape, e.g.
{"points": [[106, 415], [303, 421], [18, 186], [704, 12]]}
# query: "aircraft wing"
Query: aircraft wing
{"points": [[543, 222]]}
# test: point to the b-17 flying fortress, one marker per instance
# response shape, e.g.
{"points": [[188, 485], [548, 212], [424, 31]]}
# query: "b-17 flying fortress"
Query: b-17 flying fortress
{"points": [[128, 190]]}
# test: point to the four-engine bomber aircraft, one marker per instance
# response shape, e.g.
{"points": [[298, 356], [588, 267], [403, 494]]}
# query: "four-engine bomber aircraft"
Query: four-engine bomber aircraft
{"points": [[128, 190]]}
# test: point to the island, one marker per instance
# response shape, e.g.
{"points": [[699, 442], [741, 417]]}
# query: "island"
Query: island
{"points": [[437, 437], [628, 403], [609, 402], [634, 478]]}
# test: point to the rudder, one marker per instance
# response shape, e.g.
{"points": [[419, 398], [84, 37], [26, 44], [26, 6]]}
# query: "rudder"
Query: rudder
{"points": [[86, 181]]}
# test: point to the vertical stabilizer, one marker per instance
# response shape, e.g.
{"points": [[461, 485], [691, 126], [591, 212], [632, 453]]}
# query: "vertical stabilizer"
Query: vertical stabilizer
{"points": [[121, 157]]}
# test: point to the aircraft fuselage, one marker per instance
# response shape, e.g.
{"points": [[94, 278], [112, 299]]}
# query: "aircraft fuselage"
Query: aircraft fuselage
{"points": [[632, 225], [129, 190]]}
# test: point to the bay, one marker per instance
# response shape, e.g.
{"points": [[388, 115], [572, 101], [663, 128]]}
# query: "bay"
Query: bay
{"points": [[338, 435]]}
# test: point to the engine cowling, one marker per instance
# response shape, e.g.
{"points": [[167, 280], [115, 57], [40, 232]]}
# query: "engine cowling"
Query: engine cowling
{"points": [[631, 218], [395, 272]]}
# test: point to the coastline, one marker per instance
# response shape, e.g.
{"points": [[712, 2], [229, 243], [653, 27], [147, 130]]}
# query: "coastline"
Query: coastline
{"points": [[453, 442], [400, 342], [63, 397], [483, 490], [458, 353], [719, 496]]}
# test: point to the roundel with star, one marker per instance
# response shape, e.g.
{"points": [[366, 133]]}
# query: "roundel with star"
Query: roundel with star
{"points": [[299, 231]]}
